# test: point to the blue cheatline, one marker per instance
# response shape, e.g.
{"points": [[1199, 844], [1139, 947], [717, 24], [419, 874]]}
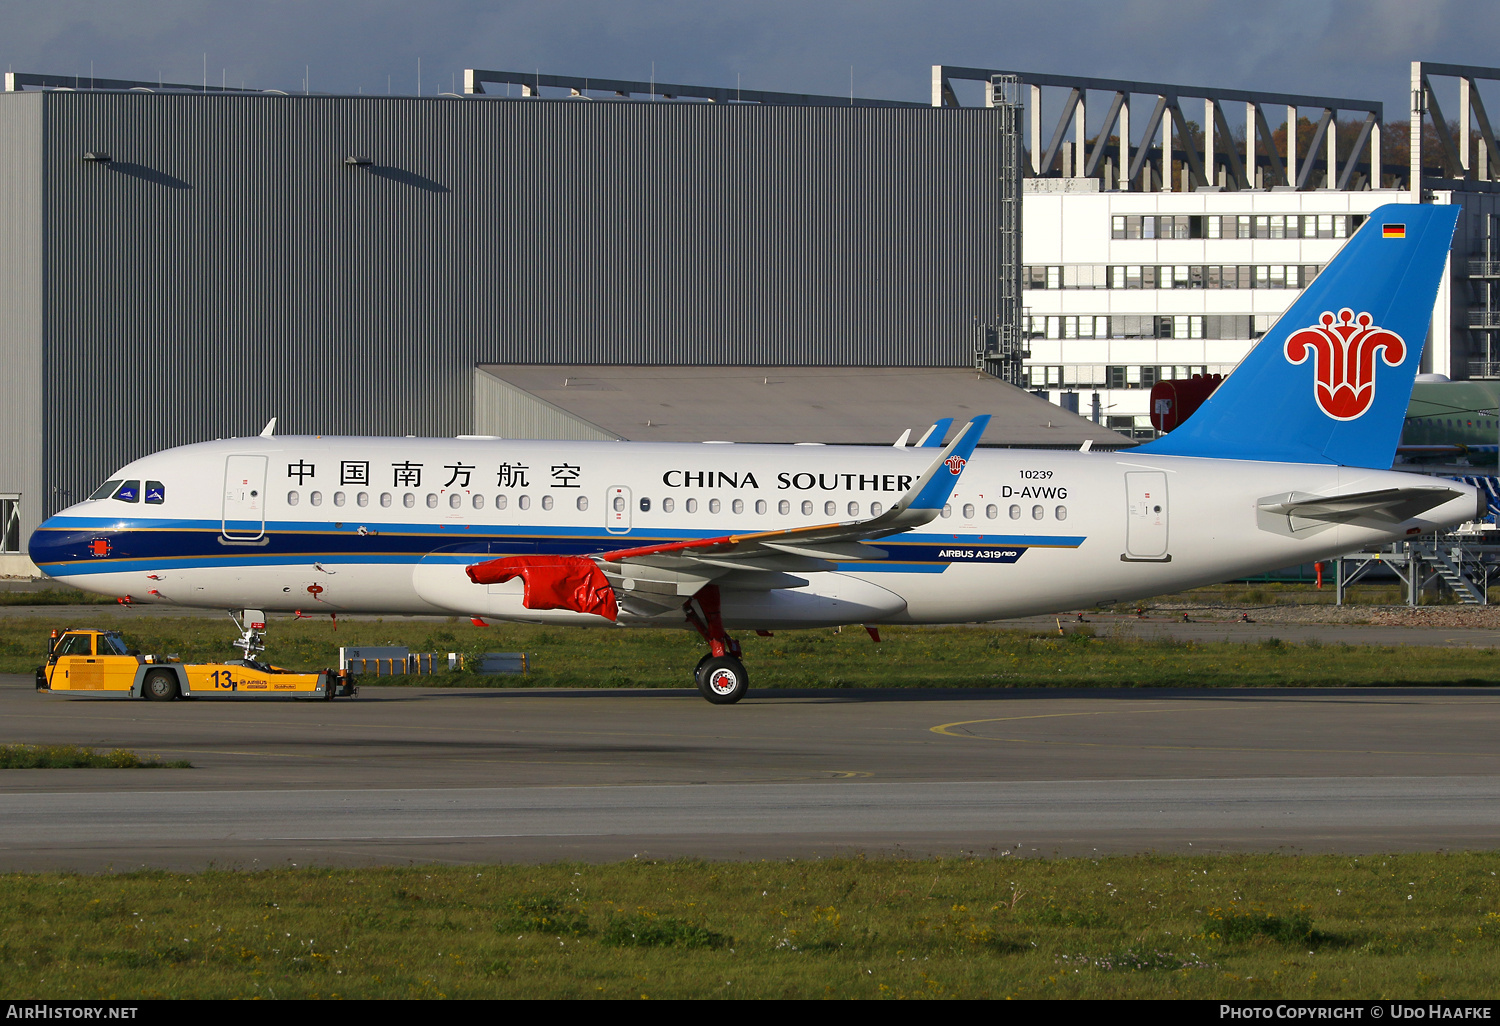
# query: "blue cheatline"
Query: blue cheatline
{"points": [[1270, 408]]}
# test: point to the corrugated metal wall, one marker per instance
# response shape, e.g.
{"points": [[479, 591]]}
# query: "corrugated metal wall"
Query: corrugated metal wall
{"points": [[21, 407], [228, 267]]}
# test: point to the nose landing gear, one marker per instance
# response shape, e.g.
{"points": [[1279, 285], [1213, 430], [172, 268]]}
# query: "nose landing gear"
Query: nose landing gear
{"points": [[720, 675]]}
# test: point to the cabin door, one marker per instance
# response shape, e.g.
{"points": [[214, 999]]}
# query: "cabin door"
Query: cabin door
{"points": [[1146, 516], [245, 497]]}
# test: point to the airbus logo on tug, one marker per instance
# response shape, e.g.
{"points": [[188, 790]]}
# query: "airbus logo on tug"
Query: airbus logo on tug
{"points": [[1343, 351]]}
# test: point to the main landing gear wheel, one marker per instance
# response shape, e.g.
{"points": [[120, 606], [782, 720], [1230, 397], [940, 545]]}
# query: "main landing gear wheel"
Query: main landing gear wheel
{"points": [[698, 670], [723, 680], [160, 686]]}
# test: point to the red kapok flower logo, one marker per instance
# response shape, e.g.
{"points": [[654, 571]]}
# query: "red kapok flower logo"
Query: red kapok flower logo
{"points": [[1343, 350], [955, 465]]}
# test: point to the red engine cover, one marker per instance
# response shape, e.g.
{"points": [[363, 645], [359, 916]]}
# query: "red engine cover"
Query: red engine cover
{"points": [[553, 582], [1173, 402]]}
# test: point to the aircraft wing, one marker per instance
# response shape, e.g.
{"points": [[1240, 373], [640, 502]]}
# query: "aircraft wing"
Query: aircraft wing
{"points": [[1389, 504], [654, 578]]}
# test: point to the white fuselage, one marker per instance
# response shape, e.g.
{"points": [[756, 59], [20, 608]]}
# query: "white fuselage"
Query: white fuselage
{"points": [[336, 525]]}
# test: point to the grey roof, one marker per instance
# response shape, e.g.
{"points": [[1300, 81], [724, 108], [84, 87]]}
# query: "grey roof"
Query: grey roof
{"points": [[837, 405]]}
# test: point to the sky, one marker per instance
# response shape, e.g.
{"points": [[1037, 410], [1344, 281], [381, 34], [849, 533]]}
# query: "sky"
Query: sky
{"points": [[1344, 48]]}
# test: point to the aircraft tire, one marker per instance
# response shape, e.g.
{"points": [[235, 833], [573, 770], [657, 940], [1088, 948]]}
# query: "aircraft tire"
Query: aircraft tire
{"points": [[698, 670], [724, 680], [160, 686]]}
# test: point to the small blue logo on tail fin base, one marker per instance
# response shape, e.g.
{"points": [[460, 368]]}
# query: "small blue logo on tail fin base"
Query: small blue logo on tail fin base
{"points": [[1331, 380]]}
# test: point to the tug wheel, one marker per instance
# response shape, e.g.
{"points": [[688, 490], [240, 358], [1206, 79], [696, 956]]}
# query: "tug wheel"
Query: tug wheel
{"points": [[724, 680], [160, 686]]}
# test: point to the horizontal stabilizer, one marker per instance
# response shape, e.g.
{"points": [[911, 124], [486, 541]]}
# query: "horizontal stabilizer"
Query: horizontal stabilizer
{"points": [[1393, 505]]}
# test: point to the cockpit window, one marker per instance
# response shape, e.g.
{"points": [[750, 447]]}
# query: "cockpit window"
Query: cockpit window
{"points": [[129, 491], [156, 493], [112, 644], [74, 645], [105, 490]]}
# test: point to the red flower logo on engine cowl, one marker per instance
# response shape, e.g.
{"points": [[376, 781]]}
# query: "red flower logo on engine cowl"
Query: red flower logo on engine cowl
{"points": [[1343, 350]]}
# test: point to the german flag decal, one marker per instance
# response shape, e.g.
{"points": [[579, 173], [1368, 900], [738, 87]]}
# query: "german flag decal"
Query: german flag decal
{"points": [[1393, 231]]}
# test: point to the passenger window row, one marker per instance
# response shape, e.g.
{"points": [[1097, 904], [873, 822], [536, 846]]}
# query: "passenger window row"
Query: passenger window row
{"points": [[408, 500], [807, 507], [1015, 512]]}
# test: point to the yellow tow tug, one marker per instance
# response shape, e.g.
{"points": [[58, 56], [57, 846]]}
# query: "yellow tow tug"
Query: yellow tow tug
{"points": [[85, 660]]}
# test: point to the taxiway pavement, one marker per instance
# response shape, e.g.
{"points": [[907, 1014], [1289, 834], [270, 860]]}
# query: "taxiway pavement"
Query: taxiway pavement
{"points": [[404, 774]]}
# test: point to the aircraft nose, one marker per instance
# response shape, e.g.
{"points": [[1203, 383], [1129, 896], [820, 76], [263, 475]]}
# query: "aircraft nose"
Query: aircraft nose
{"points": [[60, 543]]}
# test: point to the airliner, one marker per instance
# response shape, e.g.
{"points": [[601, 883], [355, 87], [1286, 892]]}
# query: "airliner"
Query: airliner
{"points": [[1286, 463]]}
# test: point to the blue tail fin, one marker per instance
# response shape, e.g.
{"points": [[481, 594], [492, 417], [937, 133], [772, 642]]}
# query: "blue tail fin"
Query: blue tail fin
{"points": [[1331, 381]]}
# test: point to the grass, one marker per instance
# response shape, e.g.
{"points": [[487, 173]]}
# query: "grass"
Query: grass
{"points": [[906, 657], [78, 757], [1225, 927], [52, 595]]}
